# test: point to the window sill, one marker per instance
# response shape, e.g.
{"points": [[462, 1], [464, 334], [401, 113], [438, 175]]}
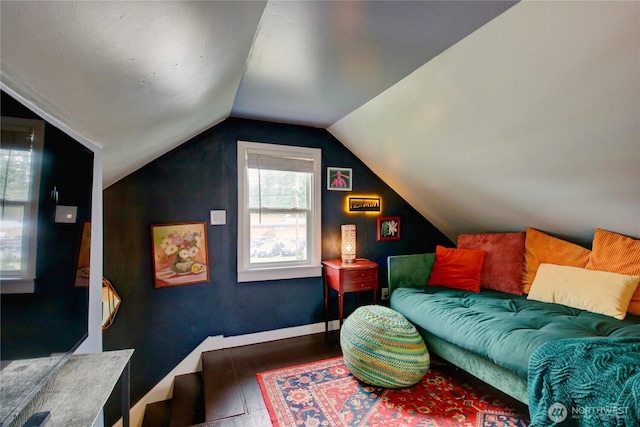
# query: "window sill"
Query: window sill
{"points": [[17, 286], [279, 273]]}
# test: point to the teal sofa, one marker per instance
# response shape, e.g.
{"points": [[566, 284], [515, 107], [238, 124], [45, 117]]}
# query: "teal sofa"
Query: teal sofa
{"points": [[489, 334]]}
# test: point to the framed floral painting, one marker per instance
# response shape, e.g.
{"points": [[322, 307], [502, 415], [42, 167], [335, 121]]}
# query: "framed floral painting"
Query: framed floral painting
{"points": [[180, 254], [84, 257], [389, 228]]}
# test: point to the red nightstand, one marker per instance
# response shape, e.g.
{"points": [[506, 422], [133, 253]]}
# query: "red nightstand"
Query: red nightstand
{"points": [[361, 275]]}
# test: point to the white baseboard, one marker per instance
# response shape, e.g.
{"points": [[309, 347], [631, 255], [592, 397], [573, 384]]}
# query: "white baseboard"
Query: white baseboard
{"points": [[192, 363]]}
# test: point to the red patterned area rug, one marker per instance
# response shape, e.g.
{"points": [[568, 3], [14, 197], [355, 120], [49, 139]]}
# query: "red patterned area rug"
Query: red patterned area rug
{"points": [[324, 393]]}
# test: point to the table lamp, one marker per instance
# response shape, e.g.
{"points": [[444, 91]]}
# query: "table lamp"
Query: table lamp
{"points": [[348, 247]]}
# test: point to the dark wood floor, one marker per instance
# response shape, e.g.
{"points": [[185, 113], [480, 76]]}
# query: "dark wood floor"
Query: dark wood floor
{"points": [[240, 401], [238, 397]]}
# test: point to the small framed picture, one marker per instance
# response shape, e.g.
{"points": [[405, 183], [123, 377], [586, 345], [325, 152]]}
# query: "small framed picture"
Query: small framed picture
{"points": [[388, 228], [339, 179], [180, 254]]}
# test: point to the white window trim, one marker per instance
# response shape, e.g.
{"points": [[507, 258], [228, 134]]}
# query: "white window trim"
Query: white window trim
{"points": [[252, 273], [24, 280]]}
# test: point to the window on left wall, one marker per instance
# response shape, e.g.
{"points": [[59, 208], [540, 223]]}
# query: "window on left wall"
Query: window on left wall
{"points": [[279, 211], [20, 164]]}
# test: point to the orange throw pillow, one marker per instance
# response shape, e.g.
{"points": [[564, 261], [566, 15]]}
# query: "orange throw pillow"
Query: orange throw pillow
{"points": [[617, 253], [540, 247], [457, 268]]}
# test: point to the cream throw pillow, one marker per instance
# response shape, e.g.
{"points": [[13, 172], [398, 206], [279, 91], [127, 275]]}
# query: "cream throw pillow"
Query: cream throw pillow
{"points": [[596, 291]]}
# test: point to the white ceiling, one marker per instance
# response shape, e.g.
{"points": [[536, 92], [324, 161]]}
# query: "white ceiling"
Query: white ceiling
{"points": [[483, 115], [140, 78]]}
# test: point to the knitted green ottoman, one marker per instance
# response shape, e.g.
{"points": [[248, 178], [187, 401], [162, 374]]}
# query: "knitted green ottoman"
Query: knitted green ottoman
{"points": [[382, 348]]}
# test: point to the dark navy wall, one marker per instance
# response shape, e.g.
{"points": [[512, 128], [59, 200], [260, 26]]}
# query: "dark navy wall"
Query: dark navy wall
{"points": [[54, 318], [164, 325]]}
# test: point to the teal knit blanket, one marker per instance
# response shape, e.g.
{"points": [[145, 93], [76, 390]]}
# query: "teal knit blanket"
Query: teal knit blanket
{"points": [[585, 382]]}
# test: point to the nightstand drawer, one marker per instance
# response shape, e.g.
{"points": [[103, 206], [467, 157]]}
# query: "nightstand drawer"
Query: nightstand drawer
{"points": [[359, 275], [359, 285]]}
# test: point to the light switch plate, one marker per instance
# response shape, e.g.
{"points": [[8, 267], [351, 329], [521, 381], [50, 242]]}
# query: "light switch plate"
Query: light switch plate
{"points": [[66, 214], [218, 217]]}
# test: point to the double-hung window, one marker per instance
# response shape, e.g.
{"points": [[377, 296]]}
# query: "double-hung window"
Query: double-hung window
{"points": [[20, 164], [279, 215]]}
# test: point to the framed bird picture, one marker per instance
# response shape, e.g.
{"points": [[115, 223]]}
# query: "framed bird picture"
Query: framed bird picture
{"points": [[388, 228]]}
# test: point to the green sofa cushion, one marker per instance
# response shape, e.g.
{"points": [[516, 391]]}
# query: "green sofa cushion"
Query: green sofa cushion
{"points": [[409, 271], [503, 328]]}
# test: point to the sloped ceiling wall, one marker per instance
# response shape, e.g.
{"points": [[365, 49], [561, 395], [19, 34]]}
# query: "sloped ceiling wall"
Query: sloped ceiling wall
{"points": [[533, 120], [529, 120], [136, 78]]}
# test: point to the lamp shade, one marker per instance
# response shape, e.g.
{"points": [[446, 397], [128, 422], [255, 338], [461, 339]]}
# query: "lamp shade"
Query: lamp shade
{"points": [[348, 247]]}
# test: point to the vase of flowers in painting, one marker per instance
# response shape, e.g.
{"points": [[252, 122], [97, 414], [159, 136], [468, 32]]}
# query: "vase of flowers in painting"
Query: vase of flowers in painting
{"points": [[182, 265]]}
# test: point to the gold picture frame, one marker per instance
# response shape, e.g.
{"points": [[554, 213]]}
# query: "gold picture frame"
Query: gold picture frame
{"points": [[180, 255], [84, 258]]}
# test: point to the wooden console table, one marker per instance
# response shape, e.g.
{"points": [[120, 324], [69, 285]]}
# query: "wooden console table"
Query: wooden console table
{"points": [[76, 393]]}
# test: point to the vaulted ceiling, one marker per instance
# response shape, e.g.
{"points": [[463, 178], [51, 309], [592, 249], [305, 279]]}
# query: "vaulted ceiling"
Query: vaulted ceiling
{"points": [[484, 115]]}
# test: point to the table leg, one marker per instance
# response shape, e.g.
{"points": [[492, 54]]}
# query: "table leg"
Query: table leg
{"points": [[126, 395], [340, 307], [326, 306]]}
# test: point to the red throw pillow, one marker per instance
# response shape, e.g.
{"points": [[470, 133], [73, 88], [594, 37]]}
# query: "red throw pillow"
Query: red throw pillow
{"points": [[502, 270], [457, 268]]}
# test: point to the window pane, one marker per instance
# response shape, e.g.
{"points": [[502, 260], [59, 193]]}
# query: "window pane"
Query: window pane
{"points": [[279, 212], [278, 189], [15, 173], [278, 237], [11, 238]]}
